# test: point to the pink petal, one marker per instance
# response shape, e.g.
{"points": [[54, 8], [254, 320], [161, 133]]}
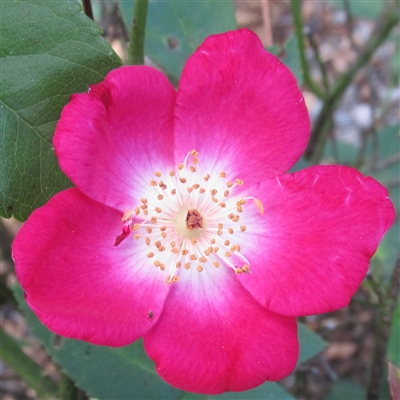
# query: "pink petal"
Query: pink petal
{"points": [[311, 249], [106, 138], [78, 283], [239, 104], [213, 337]]}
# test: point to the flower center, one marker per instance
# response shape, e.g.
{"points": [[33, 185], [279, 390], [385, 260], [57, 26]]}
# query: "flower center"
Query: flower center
{"points": [[188, 220]]}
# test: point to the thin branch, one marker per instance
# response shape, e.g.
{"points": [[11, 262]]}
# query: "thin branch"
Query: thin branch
{"points": [[322, 125], [298, 26], [136, 45], [387, 162], [320, 63], [349, 22]]}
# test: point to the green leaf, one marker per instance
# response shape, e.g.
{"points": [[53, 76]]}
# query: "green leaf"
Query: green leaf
{"points": [[176, 28], [48, 50], [346, 389], [292, 58], [310, 343], [267, 391], [103, 372]]}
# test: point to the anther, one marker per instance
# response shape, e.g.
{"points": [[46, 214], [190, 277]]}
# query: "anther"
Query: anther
{"points": [[137, 210], [160, 197], [158, 173], [185, 252], [238, 270], [144, 200], [231, 215], [228, 254], [195, 160], [227, 242], [229, 184], [194, 153], [180, 166], [236, 218], [175, 250], [199, 268], [230, 230], [213, 192], [226, 193], [178, 264], [163, 228], [148, 241], [239, 182], [203, 259], [136, 236], [172, 173], [150, 255], [149, 229], [154, 220], [202, 190], [164, 235], [182, 180], [193, 257], [153, 182], [220, 226], [187, 265], [196, 186], [222, 174], [158, 209], [135, 227], [173, 244], [222, 205], [207, 177], [216, 264], [173, 192], [219, 232], [192, 168]]}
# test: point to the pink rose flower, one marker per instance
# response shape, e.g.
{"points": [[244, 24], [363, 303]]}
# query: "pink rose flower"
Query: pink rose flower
{"points": [[220, 250]]}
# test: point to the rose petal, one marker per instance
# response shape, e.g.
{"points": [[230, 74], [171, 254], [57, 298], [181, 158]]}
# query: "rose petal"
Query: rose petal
{"points": [[214, 337], [106, 138], [78, 283], [311, 249], [240, 105]]}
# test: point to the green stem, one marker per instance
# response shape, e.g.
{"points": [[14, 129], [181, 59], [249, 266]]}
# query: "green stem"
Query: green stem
{"points": [[323, 123], [24, 366], [382, 336], [298, 26], [320, 63], [136, 46]]}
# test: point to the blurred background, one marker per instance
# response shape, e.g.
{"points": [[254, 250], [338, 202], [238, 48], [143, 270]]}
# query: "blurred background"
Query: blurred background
{"points": [[348, 69]]}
